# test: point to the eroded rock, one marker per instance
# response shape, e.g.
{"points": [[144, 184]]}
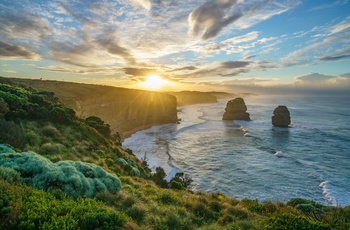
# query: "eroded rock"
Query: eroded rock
{"points": [[236, 110], [281, 116]]}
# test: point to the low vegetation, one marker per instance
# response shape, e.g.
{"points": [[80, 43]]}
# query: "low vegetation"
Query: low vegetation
{"points": [[58, 171]]}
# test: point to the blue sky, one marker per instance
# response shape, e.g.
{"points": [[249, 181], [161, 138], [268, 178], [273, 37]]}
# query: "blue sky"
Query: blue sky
{"points": [[204, 45]]}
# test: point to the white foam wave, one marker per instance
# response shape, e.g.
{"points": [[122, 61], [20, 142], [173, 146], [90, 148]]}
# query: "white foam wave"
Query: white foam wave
{"points": [[334, 195], [248, 135], [278, 154]]}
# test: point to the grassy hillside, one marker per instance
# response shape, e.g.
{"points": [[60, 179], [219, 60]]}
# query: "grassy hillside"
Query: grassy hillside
{"points": [[58, 171], [125, 110]]}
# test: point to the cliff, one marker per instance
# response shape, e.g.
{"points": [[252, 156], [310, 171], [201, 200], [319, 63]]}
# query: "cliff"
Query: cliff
{"points": [[125, 110], [194, 97]]}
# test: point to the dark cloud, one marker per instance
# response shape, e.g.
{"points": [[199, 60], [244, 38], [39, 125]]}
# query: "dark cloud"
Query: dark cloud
{"points": [[209, 19], [249, 57], [139, 72], [234, 64], [335, 58], [184, 68], [8, 51]]}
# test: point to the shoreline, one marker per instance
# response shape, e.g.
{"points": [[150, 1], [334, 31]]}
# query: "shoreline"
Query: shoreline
{"points": [[128, 133]]}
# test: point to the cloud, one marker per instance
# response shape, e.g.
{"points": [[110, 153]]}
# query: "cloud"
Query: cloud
{"points": [[140, 72], [8, 51], [327, 43], [316, 80], [336, 58], [209, 19], [184, 68], [24, 25], [234, 64], [115, 49], [329, 5]]}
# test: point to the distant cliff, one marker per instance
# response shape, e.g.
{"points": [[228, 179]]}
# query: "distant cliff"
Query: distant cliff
{"points": [[196, 97], [125, 110]]}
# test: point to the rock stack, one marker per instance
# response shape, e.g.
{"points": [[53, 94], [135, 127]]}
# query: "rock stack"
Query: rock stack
{"points": [[236, 110], [281, 116]]}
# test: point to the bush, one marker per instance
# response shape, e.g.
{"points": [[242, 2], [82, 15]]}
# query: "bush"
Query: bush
{"points": [[74, 178], [159, 177], [289, 221], [50, 131], [166, 198], [238, 212], [25, 208], [137, 213], [184, 180], [10, 175], [52, 148], [101, 219], [12, 134], [99, 125]]}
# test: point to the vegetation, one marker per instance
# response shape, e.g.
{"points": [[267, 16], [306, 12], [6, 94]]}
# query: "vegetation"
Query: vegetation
{"points": [[58, 171]]}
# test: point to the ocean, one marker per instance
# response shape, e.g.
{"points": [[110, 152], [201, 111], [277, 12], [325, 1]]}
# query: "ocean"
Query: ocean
{"points": [[237, 158]]}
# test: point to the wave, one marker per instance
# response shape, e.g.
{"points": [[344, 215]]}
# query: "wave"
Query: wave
{"points": [[334, 195]]}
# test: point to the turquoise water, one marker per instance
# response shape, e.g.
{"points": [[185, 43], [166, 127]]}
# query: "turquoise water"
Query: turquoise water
{"points": [[237, 158]]}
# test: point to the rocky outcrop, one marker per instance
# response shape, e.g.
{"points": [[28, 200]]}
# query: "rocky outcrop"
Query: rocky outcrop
{"points": [[236, 110], [125, 110], [281, 116]]}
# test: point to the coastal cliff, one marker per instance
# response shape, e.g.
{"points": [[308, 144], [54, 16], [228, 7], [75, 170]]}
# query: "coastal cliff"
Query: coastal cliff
{"points": [[125, 110]]}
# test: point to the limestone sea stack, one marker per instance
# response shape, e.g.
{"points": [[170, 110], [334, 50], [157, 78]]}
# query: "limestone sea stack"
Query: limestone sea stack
{"points": [[281, 116], [236, 110]]}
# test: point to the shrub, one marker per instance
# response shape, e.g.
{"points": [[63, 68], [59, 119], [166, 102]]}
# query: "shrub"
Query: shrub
{"points": [[52, 148], [159, 177], [12, 134], [290, 221], [166, 198], [50, 131], [238, 212], [10, 175], [74, 178], [99, 125], [137, 212], [100, 219], [183, 179]]}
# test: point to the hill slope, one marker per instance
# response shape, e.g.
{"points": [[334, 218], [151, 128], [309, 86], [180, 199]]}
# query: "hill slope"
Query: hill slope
{"points": [[125, 110]]}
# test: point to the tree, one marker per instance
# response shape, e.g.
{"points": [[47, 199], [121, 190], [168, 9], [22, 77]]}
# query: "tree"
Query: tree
{"points": [[159, 177], [180, 179]]}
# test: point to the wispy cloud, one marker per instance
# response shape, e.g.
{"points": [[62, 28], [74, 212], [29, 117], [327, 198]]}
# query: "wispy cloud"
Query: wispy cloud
{"points": [[333, 37]]}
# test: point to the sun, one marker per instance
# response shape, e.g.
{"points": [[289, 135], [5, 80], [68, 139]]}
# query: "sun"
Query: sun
{"points": [[153, 82]]}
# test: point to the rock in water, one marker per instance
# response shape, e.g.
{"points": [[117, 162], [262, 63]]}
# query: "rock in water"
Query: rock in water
{"points": [[236, 110], [281, 116]]}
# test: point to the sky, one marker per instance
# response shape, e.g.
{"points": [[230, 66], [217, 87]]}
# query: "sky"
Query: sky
{"points": [[264, 46]]}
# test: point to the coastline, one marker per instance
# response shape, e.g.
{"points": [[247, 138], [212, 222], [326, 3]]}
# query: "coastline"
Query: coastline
{"points": [[128, 133]]}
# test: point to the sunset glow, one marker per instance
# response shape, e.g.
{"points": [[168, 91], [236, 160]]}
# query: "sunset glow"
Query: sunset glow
{"points": [[259, 46], [153, 82]]}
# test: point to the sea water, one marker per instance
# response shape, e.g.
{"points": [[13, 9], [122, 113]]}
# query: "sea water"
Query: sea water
{"points": [[253, 159]]}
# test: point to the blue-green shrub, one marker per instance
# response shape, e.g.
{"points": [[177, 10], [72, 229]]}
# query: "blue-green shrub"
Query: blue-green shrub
{"points": [[131, 165], [75, 178]]}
